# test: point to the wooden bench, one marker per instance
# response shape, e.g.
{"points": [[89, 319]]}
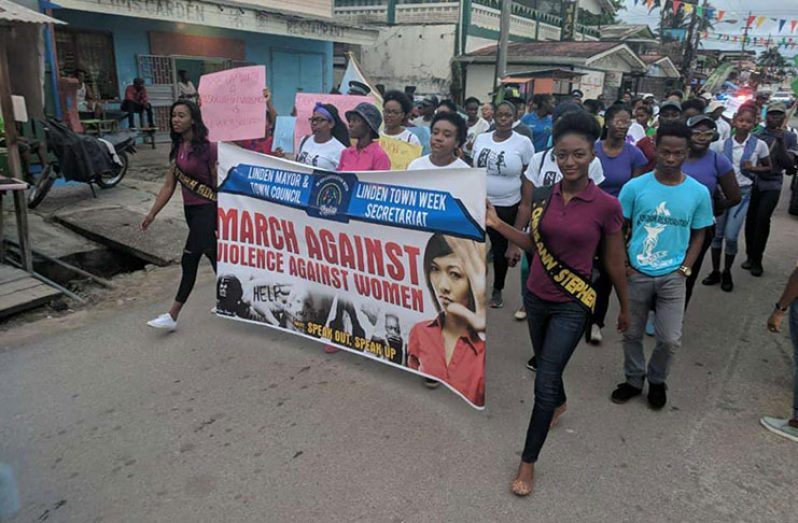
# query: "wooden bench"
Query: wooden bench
{"points": [[148, 134], [99, 127]]}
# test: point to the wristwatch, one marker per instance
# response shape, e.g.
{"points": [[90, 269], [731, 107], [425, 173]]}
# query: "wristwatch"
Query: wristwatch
{"points": [[684, 269], [780, 308]]}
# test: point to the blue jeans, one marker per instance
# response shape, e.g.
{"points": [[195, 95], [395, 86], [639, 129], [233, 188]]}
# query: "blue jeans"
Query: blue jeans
{"points": [[555, 330], [794, 336], [729, 223]]}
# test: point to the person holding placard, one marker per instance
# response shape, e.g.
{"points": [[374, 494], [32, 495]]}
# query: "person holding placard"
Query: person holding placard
{"points": [[194, 167], [330, 137]]}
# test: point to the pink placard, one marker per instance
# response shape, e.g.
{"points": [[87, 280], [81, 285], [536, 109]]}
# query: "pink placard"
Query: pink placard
{"points": [[304, 108], [233, 107]]}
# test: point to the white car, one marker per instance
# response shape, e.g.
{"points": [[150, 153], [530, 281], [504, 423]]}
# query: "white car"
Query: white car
{"points": [[784, 97]]}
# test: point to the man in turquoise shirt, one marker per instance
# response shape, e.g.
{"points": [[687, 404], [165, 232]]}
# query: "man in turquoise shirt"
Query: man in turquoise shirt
{"points": [[667, 213], [539, 121]]}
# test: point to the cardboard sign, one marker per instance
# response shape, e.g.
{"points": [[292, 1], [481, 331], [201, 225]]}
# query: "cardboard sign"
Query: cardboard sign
{"points": [[233, 107], [305, 102], [400, 152], [284, 134]]}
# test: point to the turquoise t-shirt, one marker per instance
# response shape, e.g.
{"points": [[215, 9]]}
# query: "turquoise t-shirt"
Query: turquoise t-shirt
{"points": [[662, 217]]}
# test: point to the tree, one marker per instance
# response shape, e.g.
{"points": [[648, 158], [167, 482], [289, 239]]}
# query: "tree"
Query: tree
{"points": [[682, 20], [588, 18], [771, 57]]}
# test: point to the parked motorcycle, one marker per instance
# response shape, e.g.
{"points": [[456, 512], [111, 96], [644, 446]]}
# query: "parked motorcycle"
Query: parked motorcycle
{"points": [[83, 158]]}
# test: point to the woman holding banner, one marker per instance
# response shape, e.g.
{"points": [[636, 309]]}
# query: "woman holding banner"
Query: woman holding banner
{"points": [[568, 224], [330, 137], [396, 106], [194, 167], [448, 133], [366, 155]]}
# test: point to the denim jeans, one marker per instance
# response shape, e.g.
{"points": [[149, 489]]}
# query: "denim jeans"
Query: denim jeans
{"points": [[555, 330], [729, 223], [794, 336], [668, 293]]}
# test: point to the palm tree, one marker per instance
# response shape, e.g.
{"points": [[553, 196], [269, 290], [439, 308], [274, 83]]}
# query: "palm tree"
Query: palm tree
{"points": [[682, 20], [771, 57]]}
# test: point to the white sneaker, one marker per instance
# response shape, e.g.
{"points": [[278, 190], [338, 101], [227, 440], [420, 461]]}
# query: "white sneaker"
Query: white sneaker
{"points": [[595, 334], [164, 321], [520, 314], [780, 426]]}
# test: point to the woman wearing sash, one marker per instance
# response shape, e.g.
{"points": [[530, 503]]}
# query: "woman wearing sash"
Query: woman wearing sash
{"points": [[569, 222], [194, 167]]}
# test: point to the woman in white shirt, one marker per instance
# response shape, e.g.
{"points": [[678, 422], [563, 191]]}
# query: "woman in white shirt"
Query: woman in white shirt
{"points": [[396, 106], [448, 133], [330, 137], [505, 155]]}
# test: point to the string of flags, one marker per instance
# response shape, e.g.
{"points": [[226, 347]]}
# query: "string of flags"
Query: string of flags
{"points": [[784, 41], [716, 14]]}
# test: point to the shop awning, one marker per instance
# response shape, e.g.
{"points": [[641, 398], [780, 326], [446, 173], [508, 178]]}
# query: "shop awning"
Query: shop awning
{"points": [[226, 16]]}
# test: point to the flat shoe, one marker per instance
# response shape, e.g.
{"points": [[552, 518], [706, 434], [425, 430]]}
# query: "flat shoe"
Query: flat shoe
{"points": [[521, 488]]}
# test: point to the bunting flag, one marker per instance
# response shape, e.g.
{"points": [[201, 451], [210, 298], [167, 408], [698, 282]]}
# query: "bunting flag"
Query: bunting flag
{"points": [[720, 15], [781, 24], [675, 7], [699, 10], [759, 21], [636, 1], [650, 4], [688, 8], [750, 21], [793, 23]]}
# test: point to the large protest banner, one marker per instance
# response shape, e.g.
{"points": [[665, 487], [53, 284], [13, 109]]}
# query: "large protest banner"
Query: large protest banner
{"points": [[305, 102], [383, 264], [233, 106]]}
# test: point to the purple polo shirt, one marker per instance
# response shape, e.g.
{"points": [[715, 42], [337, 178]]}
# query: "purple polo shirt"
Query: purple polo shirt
{"points": [[572, 233], [370, 158], [708, 169], [199, 166], [618, 169]]}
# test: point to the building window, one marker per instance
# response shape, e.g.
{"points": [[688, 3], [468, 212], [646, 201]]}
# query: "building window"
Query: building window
{"points": [[90, 52]]}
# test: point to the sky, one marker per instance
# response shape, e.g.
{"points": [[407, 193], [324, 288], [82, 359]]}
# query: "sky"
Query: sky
{"points": [[735, 10]]}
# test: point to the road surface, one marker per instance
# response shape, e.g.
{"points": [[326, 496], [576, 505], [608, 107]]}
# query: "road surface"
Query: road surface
{"points": [[229, 422]]}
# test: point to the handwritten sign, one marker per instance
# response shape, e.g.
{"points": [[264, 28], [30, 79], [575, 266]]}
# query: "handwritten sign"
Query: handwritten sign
{"points": [[305, 102], [233, 106], [400, 152], [284, 133]]}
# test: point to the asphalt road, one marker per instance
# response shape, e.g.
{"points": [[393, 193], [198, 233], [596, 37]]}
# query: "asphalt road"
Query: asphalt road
{"points": [[229, 422]]}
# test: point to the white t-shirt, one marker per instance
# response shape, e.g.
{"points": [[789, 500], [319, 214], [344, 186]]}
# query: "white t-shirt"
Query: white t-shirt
{"points": [[322, 155], [636, 132], [475, 130], [504, 163], [425, 163], [760, 151], [404, 136], [724, 129], [543, 172]]}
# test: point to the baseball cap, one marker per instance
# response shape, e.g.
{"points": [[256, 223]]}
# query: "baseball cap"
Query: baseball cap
{"points": [[776, 107], [431, 100], [670, 104], [701, 119], [576, 93], [713, 105]]}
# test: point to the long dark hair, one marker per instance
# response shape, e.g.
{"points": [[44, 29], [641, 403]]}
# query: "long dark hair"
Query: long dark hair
{"points": [[199, 133], [438, 247], [340, 130]]}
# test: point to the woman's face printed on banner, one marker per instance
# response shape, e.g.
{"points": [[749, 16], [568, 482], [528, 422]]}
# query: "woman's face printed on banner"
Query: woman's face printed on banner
{"points": [[449, 281]]}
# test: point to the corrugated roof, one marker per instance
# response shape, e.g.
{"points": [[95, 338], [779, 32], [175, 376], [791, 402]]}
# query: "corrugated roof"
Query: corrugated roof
{"points": [[13, 12], [548, 49], [626, 32]]}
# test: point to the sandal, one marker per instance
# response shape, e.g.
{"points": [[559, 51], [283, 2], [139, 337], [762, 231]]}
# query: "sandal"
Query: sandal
{"points": [[521, 488]]}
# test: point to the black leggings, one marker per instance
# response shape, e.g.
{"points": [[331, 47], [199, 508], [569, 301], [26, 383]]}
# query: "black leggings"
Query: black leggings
{"points": [[696, 268], [757, 222], [201, 240], [498, 246]]}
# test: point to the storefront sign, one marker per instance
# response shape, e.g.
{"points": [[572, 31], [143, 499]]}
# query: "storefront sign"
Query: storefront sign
{"points": [[228, 17], [372, 263]]}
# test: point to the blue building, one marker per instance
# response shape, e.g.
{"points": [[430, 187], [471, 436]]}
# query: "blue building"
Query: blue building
{"points": [[111, 42]]}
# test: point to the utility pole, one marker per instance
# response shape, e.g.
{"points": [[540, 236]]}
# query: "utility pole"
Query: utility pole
{"points": [[504, 37], [742, 48], [689, 52]]}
